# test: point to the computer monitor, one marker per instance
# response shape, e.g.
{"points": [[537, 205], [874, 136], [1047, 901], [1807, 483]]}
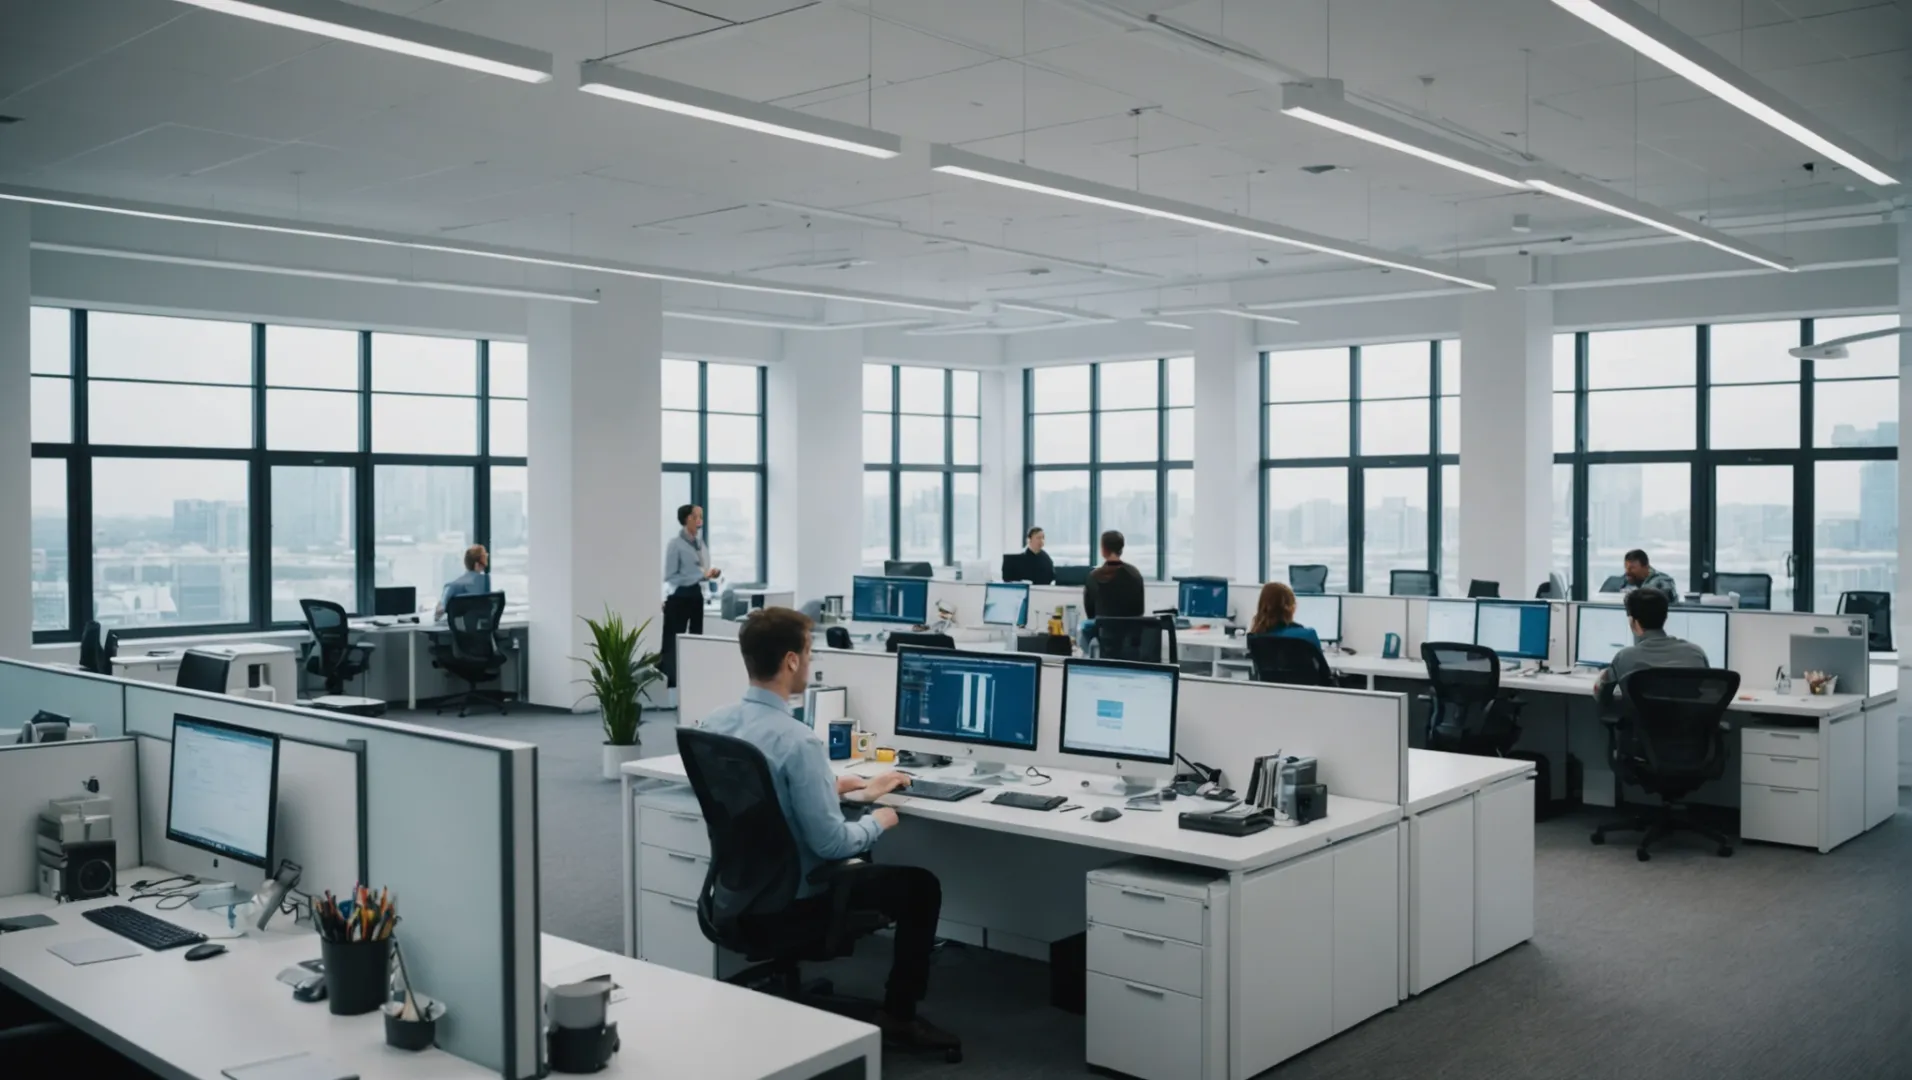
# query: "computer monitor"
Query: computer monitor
{"points": [[1005, 605], [1516, 629], [1119, 717], [889, 599], [1322, 614], [1202, 597], [393, 600], [1703, 626], [1599, 631], [982, 706], [223, 796], [203, 671], [1450, 620], [1072, 575], [893, 568]]}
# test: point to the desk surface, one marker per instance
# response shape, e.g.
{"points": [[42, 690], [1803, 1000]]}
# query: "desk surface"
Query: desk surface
{"points": [[191, 1020], [1435, 777], [1154, 834]]}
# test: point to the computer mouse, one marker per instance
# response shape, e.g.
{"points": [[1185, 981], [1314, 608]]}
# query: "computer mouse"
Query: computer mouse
{"points": [[1168, 794], [312, 990], [205, 952], [1107, 813]]}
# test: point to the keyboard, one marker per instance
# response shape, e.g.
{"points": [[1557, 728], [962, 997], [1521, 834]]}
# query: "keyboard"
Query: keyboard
{"points": [[938, 791], [1023, 800], [137, 926]]}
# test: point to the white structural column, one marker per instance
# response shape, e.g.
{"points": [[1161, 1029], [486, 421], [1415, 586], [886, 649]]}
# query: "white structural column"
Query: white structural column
{"points": [[16, 440], [1902, 601], [595, 534], [817, 474], [1506, 436], [1227, 502]]}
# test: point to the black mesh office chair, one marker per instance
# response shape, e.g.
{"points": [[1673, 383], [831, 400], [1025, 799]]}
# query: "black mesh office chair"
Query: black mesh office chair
{"points": [[1046, 644], [1670, 738], [894, 568], [749, 903], [207, 671], [1616, 583], [93, 651], [332, 655], [1755, 590], [471, 650], [1139, 639], [1292, 661], [1877, 606], [1413, 583], [928, 641], [1308, 579], [838, 637], [1478, 588], [1468, 713]]}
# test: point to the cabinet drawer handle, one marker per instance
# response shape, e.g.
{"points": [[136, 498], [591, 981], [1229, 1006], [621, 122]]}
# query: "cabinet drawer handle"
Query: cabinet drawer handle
{"points": [[1780, 735], [685, 904], [1783, 790], [1133, 936], [680, 856], [1149, 990], [690, 818], [1783, 760], [1139, 895]]}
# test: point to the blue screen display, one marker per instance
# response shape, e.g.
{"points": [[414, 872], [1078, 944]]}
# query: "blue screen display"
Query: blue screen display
{"points": [[1203, 598], [1513, 629], [1005, 605], [889, 599], [968, 697]]}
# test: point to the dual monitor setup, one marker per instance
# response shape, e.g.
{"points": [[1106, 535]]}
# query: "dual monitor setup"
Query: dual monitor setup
{"points": [[1601, 630], [906, 600], [1519, 629], [1117, 717]]}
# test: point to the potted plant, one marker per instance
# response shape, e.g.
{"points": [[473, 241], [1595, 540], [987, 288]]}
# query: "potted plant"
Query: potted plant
{"points": [[617, 674]]}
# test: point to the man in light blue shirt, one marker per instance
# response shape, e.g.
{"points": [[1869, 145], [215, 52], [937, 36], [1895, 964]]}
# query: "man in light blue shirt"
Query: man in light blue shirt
{"points": [[686, 568], [475, 581], [775, 643]]}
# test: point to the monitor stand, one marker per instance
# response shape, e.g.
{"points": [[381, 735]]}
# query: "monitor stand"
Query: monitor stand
{"points": [[1127, 787], [911, 759], [989, 773]]}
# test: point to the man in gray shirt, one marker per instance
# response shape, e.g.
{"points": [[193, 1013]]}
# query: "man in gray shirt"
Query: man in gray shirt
{"points": [[686, 568], [1640, 574], [1652, 647]]}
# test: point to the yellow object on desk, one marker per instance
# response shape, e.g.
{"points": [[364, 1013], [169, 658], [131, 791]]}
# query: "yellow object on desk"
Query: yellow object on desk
{"points": [[885, 754]]}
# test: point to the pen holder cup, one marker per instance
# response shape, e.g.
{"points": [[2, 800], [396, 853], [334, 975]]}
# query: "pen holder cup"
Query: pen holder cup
{"points": [[357, 975], [416, 1034]]}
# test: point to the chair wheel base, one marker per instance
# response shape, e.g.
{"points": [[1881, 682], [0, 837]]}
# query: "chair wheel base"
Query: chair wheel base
{"points": [[1599, 839], [1643, 855], [1724, 852], [954, 1057]]}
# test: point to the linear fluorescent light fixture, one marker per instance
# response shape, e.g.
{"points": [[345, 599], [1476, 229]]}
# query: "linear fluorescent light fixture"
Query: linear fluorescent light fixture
{"points": [[189, 216], [744, 318], [1166, 325], [393, 33], [1657, 40], [1231, 312], [1323, 102], [954, 162], [618, 84], [1588, 193]]}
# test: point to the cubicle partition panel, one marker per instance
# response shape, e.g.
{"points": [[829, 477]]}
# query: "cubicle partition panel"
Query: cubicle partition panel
{"points": [[1366, 620], [1559, 649], [1759, 643], [710, 675], [451, 829], [81, 697], [33, 773], [1358, 737]]}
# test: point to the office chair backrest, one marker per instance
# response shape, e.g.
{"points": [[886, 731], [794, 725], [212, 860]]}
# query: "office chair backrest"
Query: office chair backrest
{"points": [[473, 622], [1308, 579], [1291, 661], [1877, 606], [109, 648], [837, 637], [755, 868], [893, 568], [1755, 590], [92, 657], [1138, 639], [928, 641], [1677, 716], [1616, 583], [203, 671], [1413, 583], [1467, 707], [1478, 588], [326, 622], [1072, 575], [1046, 644]]}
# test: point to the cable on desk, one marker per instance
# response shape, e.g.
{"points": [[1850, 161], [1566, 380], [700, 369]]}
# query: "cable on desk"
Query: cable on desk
{"points": [[1041, 777]]}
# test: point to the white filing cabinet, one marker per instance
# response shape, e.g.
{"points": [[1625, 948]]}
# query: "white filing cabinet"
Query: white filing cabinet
{"points": [[1470, 881], [1882, 764], [1157, 971], [673, 857], [1803, 786]]}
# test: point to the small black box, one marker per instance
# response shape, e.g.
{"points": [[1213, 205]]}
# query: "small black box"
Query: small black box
{"points": [[1311, 802]]}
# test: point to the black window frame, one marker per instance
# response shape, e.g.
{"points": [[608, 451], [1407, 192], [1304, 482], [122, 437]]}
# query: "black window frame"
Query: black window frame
{"points": [[700, 470], [894, 468]]}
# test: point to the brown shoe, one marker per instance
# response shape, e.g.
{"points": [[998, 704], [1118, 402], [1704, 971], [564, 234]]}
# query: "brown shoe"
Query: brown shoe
{"points": [[918, 1035]]}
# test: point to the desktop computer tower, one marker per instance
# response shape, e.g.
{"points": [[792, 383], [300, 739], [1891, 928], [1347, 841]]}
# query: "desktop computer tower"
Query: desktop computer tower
{"points": [[81, 870]]}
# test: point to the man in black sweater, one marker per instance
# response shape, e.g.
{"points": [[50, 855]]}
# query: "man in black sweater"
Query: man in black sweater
{"points": [[1114, 590]]}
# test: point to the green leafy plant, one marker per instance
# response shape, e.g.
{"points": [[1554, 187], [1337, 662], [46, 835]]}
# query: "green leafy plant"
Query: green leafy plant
{"points": [[617, 673]]}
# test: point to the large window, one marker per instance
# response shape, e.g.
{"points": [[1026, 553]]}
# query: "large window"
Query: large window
{"points": [[201, 474], [1716, 452], [1112, 446], [922, 494], [713, 432], [1359, 453]]}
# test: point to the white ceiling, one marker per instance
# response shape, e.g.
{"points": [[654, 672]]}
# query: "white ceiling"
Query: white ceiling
{"points": [[156, 100]]}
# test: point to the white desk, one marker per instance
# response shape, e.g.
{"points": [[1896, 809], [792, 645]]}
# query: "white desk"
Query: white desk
{"points": [[1470, 849], [1292, 979], [408, 633], [278, 666]]}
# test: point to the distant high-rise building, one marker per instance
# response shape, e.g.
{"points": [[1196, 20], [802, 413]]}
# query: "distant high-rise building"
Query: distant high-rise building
{"points": [[213, 524], [309, 511], [1615, 503], [1879, 506]]}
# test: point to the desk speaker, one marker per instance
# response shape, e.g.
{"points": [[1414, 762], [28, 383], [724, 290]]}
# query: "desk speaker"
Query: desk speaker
{"points": [[86, 871]]}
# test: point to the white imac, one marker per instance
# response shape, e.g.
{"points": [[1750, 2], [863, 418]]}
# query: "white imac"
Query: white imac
{"points": [[1005, 604], [982, 707], [1703, 626], [1320, 612], [1600, 631], [1118, 717], [1450, 620]]}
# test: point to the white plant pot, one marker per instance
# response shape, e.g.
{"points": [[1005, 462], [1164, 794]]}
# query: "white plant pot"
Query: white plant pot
{"points": [[616, 756]]}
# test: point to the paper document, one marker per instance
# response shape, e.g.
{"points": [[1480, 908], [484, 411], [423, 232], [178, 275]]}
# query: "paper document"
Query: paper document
{"points": [[299, 1066]]}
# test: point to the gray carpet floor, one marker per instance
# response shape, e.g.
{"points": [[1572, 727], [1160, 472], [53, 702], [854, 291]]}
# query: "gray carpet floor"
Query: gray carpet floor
{"points": [[1777, 962]]}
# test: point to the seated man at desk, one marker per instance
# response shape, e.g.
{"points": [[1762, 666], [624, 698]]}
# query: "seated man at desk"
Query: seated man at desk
{"points": [[1037, 566], [1640, 574], [475, 581], [1275, 615], [1652, 646], [1114, 589], [775, 643]]}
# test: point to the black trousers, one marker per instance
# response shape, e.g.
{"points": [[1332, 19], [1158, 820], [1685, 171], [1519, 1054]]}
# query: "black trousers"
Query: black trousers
{"points": [[683, 614], [912, 898]]}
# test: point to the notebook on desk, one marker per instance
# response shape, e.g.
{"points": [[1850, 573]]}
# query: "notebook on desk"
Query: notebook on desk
{"points": [[300, 1066]]}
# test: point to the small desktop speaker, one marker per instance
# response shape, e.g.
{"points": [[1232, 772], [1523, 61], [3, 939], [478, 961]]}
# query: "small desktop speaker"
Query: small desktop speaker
{"points": [[86, 872]]}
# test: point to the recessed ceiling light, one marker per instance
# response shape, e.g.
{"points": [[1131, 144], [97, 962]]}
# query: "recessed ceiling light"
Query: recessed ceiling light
{"points": [[392, 33]]}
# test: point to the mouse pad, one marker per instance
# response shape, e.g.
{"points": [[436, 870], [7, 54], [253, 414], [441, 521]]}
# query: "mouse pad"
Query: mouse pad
{"points": [[94, 950], [25, 922]]}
